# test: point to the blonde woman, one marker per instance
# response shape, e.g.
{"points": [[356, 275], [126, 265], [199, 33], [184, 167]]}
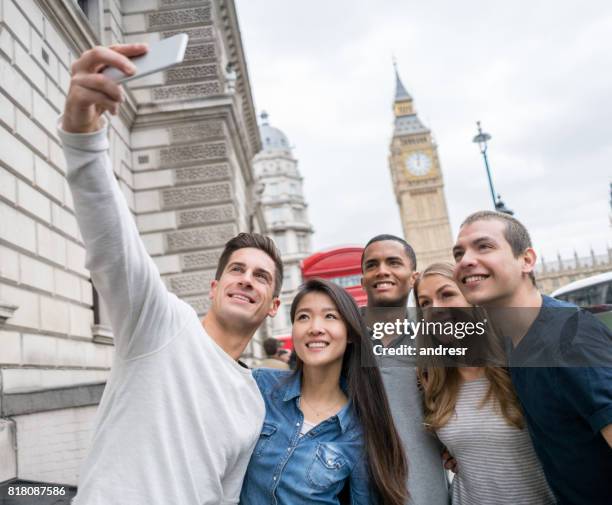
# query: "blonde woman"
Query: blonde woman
{"points": [[475, 412]]}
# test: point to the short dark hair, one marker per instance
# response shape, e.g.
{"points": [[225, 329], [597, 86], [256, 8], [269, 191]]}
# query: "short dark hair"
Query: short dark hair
{"points": [[270, 346], [515, 232], [407, 248], [256, 241]]}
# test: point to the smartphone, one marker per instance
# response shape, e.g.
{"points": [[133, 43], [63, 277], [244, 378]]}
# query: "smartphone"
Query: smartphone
{"points": [[160, 56]]}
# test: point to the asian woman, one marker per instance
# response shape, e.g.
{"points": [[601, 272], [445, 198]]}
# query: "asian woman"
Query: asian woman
{"points": [[328, 435]]}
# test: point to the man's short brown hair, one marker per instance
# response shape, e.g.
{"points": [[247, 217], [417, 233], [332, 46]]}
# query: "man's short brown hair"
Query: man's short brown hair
{"points": [[515, 232], [256, 241]]}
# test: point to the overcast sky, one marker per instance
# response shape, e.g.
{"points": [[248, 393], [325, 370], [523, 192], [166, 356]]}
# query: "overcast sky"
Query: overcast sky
{"points": [[538, 74]]}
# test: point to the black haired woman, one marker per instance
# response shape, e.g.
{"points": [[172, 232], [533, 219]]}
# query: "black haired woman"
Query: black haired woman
{"points": [[328, 428]]}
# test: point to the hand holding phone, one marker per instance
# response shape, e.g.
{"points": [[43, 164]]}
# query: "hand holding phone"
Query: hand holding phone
{"points": [[89, 95], [160, 56]]}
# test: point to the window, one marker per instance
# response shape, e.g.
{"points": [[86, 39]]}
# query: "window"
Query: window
{"points": [[287, 282], [599, 294], [93, 11], [281, 243], [102, 333], [275, 214], [288, 314], [273, 189], [303, 242], [299, 215], [347, 281]]}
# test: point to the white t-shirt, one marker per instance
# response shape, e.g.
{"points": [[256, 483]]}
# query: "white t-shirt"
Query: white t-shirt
{"points": [[306, 427], [179, 417]]}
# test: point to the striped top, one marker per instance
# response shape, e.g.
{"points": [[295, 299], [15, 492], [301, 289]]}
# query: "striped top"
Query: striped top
{"points": [[496, 463]]}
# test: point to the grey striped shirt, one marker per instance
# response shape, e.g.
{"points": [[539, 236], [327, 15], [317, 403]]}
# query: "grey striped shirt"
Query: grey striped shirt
{"points": [[496, 462]]}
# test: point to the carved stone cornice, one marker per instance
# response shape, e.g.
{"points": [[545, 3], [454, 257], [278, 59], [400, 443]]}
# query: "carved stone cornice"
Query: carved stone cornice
{"points": [[221, 107], [229, 24], [6, 311], [70, 22], [102, 334], [44, 400]]}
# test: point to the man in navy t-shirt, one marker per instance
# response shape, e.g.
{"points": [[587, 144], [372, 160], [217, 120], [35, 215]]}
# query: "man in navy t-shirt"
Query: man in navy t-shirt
{"points": [[560, 357]]}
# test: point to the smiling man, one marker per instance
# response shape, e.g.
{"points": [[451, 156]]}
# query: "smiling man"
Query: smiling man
{"points": [[389, 271], [388, 268], [180, 415], [567, 405]]}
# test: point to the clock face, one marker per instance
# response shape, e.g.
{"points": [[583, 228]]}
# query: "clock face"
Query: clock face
{"points": [[418, 163]]}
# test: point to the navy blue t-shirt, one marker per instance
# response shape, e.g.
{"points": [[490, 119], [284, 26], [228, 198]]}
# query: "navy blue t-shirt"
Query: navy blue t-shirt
{"points": [[566, 407]]}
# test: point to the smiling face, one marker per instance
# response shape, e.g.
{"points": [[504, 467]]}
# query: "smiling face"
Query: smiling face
{"points": [[438, 291], [436, 294], [243, 295], [319, 334], [387, 274], [486, 270]]}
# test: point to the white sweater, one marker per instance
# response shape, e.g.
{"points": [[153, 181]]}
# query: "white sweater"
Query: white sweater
{"points": [[179, 417]]}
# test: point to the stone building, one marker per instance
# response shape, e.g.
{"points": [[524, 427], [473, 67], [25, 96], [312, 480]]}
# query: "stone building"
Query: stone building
{"points": [[551, 275], [282, 203], [418, 182], [181, 149]]}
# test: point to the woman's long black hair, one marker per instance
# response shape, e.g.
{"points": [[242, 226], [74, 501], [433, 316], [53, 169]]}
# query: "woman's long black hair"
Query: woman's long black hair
{"points": [[386, 459]]}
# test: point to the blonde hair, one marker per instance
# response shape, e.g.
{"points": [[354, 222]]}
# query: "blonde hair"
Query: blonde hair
{"points": [[440, 384]]}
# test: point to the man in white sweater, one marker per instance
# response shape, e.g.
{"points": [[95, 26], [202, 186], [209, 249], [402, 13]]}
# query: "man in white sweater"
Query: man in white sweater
{"points": [[180, 414]]}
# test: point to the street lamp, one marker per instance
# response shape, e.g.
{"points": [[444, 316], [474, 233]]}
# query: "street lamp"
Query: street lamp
{"points": [[481, 139]]}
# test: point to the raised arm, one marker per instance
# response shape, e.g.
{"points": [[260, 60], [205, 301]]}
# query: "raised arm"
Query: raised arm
{"points": [[143, 314]]}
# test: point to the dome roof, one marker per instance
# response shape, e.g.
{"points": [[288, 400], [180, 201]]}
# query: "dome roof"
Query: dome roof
{"points": [[272, 138]]}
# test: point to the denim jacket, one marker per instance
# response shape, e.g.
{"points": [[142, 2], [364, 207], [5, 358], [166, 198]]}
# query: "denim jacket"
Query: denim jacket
{"points": [[289, 469]]}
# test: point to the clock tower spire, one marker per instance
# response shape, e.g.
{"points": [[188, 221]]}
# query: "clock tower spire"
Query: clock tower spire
{"points": [[403, 101], [418, 182]]}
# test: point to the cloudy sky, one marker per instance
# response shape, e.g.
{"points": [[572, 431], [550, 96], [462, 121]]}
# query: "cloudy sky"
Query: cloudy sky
{"points": [[538, 74]]}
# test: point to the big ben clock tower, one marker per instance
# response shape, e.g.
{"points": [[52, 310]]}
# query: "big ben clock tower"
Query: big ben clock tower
{"points": [[418, 183]]}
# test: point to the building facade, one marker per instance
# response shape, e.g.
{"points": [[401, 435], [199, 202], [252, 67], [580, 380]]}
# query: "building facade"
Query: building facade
{"points": [[181, 149], [551, 275], [281, 201], [418, 182]]}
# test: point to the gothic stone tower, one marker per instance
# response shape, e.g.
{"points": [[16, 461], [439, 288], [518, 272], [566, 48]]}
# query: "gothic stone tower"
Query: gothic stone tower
{"points": [[418, 183], [286, 214]]}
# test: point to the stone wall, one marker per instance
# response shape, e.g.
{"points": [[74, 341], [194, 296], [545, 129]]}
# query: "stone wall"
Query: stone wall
{"points": [[52, 444], [41, 253], [180, 149]]}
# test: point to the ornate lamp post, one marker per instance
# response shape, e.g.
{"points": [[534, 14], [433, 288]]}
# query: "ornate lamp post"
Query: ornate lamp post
{"points": [[481, 139]]}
